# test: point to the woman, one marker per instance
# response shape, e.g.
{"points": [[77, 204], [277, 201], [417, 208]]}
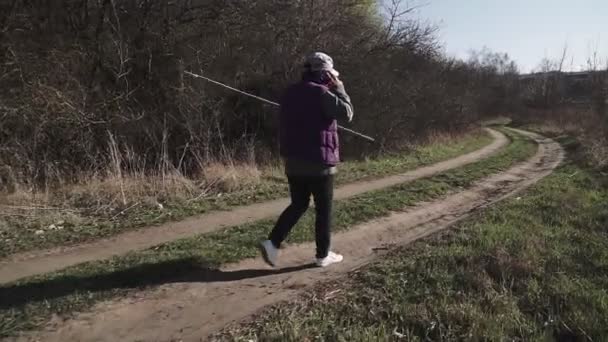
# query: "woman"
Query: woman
{"points": [[309, 145]]}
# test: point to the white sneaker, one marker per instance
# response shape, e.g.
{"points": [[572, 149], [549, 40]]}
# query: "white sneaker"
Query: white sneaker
{"points": [[331, 258], [269, 252]]}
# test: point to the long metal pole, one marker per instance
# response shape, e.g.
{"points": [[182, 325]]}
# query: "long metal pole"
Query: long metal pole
{"points": [[360, 135]]}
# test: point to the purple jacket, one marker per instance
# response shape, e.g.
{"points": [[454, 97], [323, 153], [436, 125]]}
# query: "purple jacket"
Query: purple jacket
{"points": [[308, 127]]}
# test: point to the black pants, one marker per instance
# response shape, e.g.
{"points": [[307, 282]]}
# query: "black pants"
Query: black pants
{"points": [[301, 187]]}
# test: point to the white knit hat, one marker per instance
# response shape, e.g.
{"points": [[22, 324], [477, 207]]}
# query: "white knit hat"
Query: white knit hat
{"points": [[320, 61]]}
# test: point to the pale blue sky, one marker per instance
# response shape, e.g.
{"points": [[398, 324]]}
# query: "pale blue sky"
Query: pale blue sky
{"points": [[527, 30]]}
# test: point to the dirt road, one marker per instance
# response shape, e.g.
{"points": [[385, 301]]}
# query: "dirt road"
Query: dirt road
{"points": [[206, 302]]}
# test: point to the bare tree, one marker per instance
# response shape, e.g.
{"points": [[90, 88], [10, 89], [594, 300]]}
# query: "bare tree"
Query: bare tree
{"points": [[77, 72]]}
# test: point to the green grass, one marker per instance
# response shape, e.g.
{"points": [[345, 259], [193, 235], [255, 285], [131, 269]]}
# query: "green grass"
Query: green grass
{"points": [[18, 233], [28, 303], [533, 268]]}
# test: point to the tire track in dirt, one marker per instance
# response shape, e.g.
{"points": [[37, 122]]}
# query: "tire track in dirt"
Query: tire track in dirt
{"points": [[203, 303], [39, 262]]}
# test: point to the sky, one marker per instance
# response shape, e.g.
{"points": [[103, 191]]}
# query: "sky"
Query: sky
{"points": [[527, 30]]}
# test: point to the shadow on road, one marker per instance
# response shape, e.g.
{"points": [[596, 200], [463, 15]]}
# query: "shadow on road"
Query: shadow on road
{"points": [[141, 276]]}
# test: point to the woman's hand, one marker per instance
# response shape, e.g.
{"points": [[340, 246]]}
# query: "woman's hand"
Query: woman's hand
{"points": [[335, 82]]}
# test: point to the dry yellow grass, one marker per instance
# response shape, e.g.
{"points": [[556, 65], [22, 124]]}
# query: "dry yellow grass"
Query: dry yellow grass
{"points": [[114, 193], [229, 177], [584, 124], [125, 189], [438, 137]]}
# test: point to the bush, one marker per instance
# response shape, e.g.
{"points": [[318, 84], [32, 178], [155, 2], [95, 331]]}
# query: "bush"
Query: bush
{"points": [[98, 86]]}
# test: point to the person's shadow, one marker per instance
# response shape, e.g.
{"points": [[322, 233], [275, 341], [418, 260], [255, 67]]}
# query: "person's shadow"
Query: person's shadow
{"points": [[141, 276]]}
